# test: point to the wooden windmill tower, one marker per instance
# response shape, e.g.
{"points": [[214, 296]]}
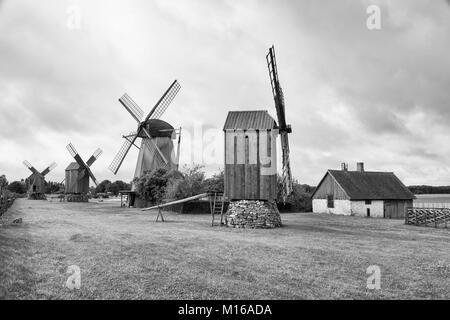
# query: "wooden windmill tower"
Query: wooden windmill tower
{"points": [[251, 161], [78, 174], [156, 149], [36, 181], [284, 128]]}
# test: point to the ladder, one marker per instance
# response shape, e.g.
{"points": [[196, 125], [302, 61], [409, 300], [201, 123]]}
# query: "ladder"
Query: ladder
{"points": [[217, 205]]}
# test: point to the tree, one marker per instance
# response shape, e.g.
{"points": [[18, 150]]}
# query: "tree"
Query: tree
{"points": [[189, 183], [17, 187], [215, 183], [103, 187], [3, 183], [117, 186]]}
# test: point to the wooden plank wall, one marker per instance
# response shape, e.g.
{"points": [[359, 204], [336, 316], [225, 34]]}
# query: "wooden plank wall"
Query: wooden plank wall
{"points": [[329, 186], [243, 174]]}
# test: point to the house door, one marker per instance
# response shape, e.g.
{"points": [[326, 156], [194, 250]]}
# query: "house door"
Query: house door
{"points": [[390, 211]]}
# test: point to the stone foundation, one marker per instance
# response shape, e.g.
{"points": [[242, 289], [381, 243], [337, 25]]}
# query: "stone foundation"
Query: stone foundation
{"points": [[253, 214], [77, 198], [37, 196]]}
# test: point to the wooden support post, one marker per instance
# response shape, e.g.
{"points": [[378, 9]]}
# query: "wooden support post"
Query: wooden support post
{"points": [[160, 215]]}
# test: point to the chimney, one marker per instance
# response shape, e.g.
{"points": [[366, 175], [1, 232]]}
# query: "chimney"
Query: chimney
{"points": [[360, 166], [344, 166]]}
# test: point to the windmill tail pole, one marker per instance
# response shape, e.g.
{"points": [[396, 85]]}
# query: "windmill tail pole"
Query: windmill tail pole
{"points": [[203, 195]]}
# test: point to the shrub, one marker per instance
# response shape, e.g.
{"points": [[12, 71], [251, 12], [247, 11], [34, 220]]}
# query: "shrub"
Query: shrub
{"points": [[152, 186], [191, 182]]}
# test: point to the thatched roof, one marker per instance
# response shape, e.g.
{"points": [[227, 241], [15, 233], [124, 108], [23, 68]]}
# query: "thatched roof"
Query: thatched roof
{"points": [[368, 185]]}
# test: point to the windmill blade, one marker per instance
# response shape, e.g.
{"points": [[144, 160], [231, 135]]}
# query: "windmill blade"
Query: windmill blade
{"points": [[30, 167], [88, 171], [94, 179], [156, 153], [132, 107], [164, 102], [121, 154], [76, 156], [154, 144], [276, 88], [94, 157], [178, 149], [287, 175], [130, 138], [48, 169]]}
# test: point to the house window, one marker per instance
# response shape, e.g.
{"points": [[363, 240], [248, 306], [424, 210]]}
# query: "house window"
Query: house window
{"points": [[368, 213], [330, 201], [368, 202]]}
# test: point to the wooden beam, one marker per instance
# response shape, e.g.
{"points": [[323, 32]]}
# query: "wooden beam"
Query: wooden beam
{"points": [[203, 195]]}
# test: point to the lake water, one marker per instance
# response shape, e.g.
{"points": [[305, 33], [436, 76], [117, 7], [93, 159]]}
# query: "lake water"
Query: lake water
{"points": [[432, 200]]}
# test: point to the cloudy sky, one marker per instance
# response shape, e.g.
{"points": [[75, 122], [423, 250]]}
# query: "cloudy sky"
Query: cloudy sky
{"points": [[352, 94]]}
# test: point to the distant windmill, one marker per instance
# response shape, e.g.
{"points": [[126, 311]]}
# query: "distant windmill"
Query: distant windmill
{"points": [[156, 149], [77, 175], [36, 182], [284, 128]]}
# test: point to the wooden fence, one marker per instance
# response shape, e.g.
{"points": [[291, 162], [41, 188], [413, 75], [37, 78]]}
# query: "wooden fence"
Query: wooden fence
{"points": [[429, 217], [5, 204]]}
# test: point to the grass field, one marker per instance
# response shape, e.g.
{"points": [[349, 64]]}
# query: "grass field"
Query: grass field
{"points": [[124, 254]]}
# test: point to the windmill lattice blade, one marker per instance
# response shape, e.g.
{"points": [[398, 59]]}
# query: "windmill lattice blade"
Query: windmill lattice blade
{"points": [[276, 88], [131, 106], [164, 102], [94, 157], [121, 154], [72, 150], [48, 169], [29, 166]]}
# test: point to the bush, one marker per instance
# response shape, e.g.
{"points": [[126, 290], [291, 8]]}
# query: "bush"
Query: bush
{"points": [[191, 182], [299, 201], [17, 187], [152, 186]]}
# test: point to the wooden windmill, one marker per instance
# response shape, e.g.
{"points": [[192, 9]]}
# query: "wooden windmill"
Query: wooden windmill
{"points": [[78, 174], [251, 161], [156, 149], [284, 129], [36, 181]]}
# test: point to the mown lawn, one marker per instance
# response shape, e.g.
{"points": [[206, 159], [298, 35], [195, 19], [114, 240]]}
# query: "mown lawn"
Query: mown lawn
{"points": [[125, 254]]}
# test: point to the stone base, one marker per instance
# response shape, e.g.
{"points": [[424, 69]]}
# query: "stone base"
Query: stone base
{"points": [[77, 198], [37, 196], [253, 214]]}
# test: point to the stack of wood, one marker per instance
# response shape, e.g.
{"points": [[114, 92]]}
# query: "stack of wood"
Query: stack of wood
{"points": [[253, 214]]}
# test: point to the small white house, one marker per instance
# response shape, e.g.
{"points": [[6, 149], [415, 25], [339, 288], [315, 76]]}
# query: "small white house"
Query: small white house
{"points": [[362, 193]]}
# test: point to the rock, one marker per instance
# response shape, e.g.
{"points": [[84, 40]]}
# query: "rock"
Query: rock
{"points": [[253, 214], [17, 221]]}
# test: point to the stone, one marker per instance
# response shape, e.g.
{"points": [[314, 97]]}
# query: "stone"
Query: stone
{"points": [[17, 221], [253, 214]]}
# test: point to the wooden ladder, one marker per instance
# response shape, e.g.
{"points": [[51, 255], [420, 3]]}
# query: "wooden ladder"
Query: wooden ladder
{"points": [[217, 205]]}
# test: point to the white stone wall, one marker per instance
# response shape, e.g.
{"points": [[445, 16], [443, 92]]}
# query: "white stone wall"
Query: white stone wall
{"points": [[359, 208], [341, 207]]}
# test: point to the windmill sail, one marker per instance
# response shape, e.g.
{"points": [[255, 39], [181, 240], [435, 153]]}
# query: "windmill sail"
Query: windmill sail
{"points": [[143, 130], [284, 128], [48, 169]]}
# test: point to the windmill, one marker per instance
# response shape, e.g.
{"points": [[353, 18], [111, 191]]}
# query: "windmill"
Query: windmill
{"points": [[36, 181], [78, 174], [284, 128], [156, 149]]}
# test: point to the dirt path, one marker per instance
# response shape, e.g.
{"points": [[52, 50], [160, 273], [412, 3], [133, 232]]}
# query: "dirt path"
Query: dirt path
{"points": [[124, 254]]}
